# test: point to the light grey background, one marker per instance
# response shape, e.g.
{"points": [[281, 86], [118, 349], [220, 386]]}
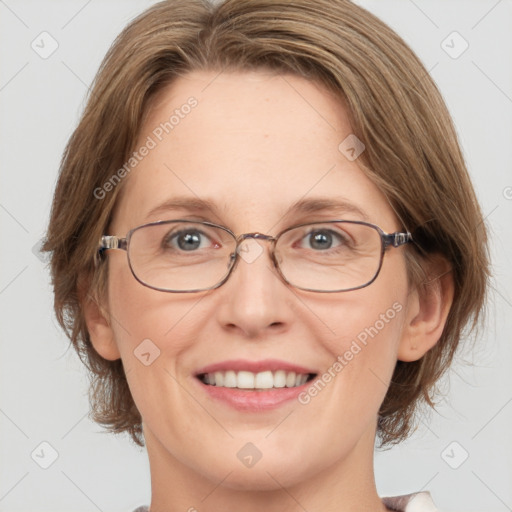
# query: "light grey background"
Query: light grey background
{"points": [[43, 387]]}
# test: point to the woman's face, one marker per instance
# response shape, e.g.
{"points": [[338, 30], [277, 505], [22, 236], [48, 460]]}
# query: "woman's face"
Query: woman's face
{"points": [[253, 144]]}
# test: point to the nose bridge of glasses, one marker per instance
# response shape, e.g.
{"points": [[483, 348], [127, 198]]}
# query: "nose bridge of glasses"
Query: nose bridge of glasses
{"points": [[259, 236], [251, 250]]}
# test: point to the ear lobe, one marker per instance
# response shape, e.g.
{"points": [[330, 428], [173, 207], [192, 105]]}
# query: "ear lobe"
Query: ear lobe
{"points": [[98, 326], [427, 310]]}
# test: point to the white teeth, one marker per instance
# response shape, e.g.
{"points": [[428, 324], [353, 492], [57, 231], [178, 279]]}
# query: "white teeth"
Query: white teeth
{"points": [[250, 380], [229, 380], [219, 378], [244, 380], [264, 380], [280, 379], [290, 379]]}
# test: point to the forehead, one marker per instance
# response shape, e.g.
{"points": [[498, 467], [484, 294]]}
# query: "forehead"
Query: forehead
{"points": [[252, 143]]}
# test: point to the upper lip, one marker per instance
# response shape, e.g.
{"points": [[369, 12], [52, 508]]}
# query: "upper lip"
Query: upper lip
{"points": [[254, 366]]}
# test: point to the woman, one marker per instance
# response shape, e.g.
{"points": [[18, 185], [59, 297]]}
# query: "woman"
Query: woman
{"points": [[221, 147]]}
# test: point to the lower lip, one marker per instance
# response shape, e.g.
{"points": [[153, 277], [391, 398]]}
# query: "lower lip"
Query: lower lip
{"points": [[253, 401]]}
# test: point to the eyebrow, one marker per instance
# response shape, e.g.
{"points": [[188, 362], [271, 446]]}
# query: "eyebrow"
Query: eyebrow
{"points": [[302, 206]]}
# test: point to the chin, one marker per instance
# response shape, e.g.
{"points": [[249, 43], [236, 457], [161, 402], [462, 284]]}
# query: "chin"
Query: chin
{"points": [[269, 476]]}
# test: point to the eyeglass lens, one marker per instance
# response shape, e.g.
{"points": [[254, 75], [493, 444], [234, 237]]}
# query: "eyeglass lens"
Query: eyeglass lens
{"points": [[185, 256]]}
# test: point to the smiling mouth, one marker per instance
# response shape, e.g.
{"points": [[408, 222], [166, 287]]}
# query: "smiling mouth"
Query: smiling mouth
{"points": [[261, 381]]}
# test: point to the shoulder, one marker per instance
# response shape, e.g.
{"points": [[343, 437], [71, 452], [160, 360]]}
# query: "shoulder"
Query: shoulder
{"points": [[415, 502]]}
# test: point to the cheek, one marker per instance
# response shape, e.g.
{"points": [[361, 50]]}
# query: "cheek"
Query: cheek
{"points": [[146, 318], [366, 330], [373, 331], [368, 356], [154, 331], [363, 351]]}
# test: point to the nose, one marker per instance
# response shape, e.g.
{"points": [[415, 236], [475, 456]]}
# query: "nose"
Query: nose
{"points": [[255, 300]]}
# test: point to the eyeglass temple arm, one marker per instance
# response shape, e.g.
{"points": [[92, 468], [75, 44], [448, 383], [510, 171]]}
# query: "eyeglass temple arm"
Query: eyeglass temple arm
{"points": [[396, 239], [112, 242]]}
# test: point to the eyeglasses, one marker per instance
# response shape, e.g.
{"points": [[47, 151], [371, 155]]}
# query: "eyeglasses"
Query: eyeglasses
{"points": [[191, 256]]}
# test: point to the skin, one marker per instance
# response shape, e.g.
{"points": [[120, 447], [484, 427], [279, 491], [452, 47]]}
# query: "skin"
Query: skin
{"points": [[256, 143]]}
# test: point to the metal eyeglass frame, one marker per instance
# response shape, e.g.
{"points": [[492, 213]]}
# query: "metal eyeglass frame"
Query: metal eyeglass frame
{"points": [[396, 239]]}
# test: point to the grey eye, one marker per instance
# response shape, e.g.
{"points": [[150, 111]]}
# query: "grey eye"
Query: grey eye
{"points": [[184, 240], [323, 239]]}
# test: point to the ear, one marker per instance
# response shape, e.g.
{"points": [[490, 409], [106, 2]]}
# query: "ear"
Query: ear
{"points": [[427, 310], [98, 326]]}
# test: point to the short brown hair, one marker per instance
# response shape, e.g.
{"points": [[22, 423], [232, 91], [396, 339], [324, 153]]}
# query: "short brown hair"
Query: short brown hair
{"points": [[412, 155]]}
